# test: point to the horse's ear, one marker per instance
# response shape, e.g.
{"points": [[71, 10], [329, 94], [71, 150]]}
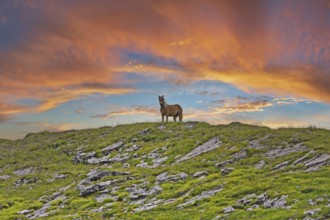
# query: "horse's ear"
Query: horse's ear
{"points": [[162, 96]]}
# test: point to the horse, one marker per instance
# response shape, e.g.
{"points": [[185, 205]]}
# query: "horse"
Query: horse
{"points": [[169, 110]]}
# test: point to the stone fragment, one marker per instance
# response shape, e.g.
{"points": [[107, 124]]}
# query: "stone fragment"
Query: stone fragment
{"points": [[210, 145], [228, 209], [105, 151], [200, 173]]}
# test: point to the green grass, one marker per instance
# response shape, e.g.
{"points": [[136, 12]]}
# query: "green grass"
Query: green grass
{"points": [[51, 153]]}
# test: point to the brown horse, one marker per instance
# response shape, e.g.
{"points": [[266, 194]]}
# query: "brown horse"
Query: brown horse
{"points": [[169, 110]]}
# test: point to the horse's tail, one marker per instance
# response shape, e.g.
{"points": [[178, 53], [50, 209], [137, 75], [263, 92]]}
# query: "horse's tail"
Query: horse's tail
{"points": [[180, 113]]}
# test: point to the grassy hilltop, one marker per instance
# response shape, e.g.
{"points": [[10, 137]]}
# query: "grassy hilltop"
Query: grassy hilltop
{"points": [[167, 171]]}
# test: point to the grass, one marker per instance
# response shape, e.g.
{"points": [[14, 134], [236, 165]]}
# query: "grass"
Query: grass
{"points": [[51, 153]]}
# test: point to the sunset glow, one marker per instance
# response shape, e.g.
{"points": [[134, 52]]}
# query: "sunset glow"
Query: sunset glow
{"points": [[81, 64]]}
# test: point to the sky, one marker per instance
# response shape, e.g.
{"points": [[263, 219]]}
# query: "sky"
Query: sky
{"points": [[75, 64]]}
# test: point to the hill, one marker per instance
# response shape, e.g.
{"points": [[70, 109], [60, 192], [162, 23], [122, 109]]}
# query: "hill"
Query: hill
{"points": [[187, 170]]}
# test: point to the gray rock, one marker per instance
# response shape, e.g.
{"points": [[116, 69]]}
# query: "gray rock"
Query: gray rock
{"points": [[161, 127], [210, 145], [115, 146], [190, 125], [200, 173], [4, 177], [24, 212], [93, 160], [126, 165], [255, 206], [311, 202], [24, 171], [145, 131], [205, 194], [261, 198], [100, 198], [317, 160], [149, 206], [228, 209], [281, 165], [95, 174], [23, 180], [312, 212], [83, 157], [260, 165], [85, 191], [240, 155], [42, 212], [246, 200], [60, 176], [164, 178], [120, 158], [153, 155], [276, 203], [159, 161], [301, 159], [285, 151], [227, 170], [224, 163], [133, 148]]}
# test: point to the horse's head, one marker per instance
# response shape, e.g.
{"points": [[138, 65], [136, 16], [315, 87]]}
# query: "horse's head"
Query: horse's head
{"points": [[161, 100]]}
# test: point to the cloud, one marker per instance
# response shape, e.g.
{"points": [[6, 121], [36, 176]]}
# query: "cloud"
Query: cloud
{"points": [[58, 52], [125, 111]]}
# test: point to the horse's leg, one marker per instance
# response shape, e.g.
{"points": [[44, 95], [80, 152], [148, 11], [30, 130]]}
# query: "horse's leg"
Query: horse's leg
{"points": [[174, 118], [166, 118], [162, 118], [180, 116]]}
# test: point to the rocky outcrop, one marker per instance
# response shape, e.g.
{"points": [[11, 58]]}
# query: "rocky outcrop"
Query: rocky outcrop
{"points": [[161, 178], [203, 195], [285, 151], [115, 146], [210, 145]]}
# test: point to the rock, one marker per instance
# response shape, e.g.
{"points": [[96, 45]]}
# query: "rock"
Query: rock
{"points": [[120, 158], [228, 209], [276, 203], [281, 165], [285, 151], [100, 198], [85, 191], [299, 160], [226, 171], [126, 165], [164, 178], [161, 127], [83, 157], [190, 125], [93, 160], [317, 160], [256, 143], [261, 198], [42, 212], [105, 151], [224, 163], [159, 161], [246, 200], [145, 131], [255, 206], [260, 165], [4, 177], [24, 212], [23, 180], [240, 155], [95, 174], [311, 202], [60, 176], [137, 192], [133, 148], [210, 145], [153, 155], [24, 171], [200, 173], [312, 212], [149, 206], [203, 195]]}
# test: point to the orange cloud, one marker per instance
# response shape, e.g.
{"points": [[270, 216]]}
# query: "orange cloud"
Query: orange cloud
{"points": [[278, 47]]}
